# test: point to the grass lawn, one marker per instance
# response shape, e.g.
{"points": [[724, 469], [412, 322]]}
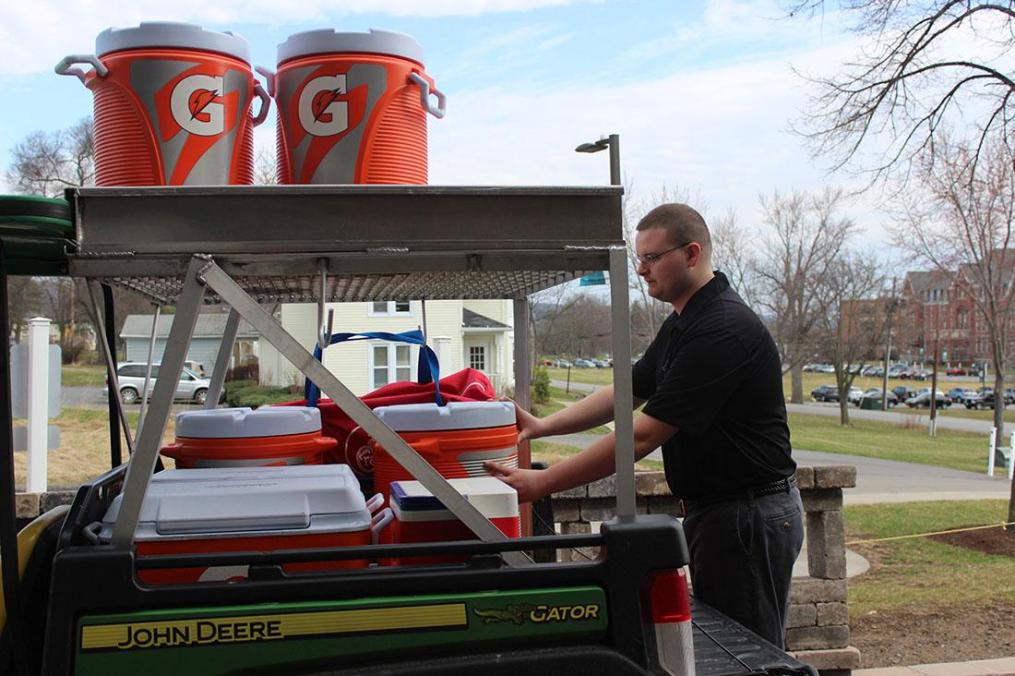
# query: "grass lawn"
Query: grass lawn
{"points": [[889, 441], [921, 573], [558, 400], [83, 376], [590, 376], [84, 447]]}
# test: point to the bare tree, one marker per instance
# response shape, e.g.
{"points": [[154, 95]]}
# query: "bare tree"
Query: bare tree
{"points": [[852, 318], [964, 225], [731, 253], [928, 59], [803, 237], [45, 163], [264, 168]]}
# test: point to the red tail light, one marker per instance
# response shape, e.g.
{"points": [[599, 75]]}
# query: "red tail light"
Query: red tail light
{"points": [[666, 599]]}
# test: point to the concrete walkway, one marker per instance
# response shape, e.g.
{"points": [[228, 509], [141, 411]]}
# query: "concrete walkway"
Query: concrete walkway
{"points": [[1004, 666], [899, 415]]}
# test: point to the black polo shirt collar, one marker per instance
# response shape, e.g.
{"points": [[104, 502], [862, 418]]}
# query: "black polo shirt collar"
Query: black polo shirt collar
{"points": [[700, 299]]}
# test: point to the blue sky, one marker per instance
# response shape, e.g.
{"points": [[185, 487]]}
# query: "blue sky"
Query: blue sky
{"points": [[702, 93]]}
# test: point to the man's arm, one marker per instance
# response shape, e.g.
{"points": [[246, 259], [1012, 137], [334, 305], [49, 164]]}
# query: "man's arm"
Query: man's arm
{"points": [[595, 409], [595, 462]]}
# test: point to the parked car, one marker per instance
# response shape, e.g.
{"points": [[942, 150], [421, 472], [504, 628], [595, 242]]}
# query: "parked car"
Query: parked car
{"points": [[825, 393], [584, 364], [956, 371], [897, 371], [985, 398], [922, 400], [920, 374], [131, 378], [854, 395], [903, 393], [875, 393], [958, 395], [562, 363], [873, 371]]}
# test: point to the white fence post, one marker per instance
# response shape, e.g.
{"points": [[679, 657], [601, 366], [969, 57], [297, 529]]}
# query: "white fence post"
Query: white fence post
{"points": [[990, 452], [38, 404]]}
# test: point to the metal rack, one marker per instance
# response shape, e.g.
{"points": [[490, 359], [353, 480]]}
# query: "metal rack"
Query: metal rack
{"points": [[267, 244]]}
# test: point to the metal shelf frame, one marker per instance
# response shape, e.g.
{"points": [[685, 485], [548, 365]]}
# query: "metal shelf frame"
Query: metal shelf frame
{"points": [[244, 246]]}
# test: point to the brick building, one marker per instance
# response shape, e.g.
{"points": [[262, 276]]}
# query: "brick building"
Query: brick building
{"points": [[936, 308]]}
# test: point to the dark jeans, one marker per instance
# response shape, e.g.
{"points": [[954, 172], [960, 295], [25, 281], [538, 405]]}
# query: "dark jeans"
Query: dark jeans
{"points": [[742, 555]]}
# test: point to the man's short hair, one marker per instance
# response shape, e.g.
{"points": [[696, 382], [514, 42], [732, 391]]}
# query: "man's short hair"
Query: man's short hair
{"points": [[682, 222]]}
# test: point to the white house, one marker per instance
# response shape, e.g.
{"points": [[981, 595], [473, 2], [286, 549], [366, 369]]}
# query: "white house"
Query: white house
{"points": [[473, 333]]}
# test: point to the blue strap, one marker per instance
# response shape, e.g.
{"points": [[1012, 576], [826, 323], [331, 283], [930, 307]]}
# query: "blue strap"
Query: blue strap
{"points": [[427, 369]]}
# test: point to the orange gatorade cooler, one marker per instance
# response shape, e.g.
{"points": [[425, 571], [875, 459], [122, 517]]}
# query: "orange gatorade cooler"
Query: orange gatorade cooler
{"points": [[237, 437], [420, 517], [172, 105], [352, 108], [456, 439], [250, 509]]}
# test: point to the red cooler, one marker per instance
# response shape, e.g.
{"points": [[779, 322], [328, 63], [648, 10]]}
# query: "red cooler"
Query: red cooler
{"points": [[456, 438], [243, 437], [172, 105], [250, 509], [352, 108], [420, 517]]}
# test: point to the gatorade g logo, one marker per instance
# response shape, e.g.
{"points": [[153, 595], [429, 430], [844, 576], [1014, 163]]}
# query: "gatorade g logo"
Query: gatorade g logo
{"points": [[196, 105], [320, 111]]}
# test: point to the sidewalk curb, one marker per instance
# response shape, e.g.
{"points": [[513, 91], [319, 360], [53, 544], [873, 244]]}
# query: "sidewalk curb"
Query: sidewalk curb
{"points": [[1004, 666]]}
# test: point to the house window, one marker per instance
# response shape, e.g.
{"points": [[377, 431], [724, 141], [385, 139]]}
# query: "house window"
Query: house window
{"points": [[477, 357], [383, 308], [389, 363]]}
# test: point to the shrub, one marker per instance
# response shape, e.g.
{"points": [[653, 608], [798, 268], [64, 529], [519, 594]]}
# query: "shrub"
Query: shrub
{"points": [[541, 385]]}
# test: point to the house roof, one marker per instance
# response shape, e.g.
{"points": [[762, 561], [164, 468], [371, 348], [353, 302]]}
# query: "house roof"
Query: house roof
{"points": [[208, 326], [924, 280], [474, 320]]}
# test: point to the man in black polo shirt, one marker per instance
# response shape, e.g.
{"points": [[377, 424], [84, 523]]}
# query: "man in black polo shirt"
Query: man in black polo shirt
{"points": [[711, 382]]}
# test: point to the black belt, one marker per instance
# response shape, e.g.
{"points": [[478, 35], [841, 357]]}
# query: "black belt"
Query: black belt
{"points": [[780, 486]]}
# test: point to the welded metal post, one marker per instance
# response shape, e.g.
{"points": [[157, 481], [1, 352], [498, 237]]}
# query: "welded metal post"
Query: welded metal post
{"points": [[142, 462], [523, 392], [614, 159], [405, 455], [218, 374], [148, 369], [623, 399]]}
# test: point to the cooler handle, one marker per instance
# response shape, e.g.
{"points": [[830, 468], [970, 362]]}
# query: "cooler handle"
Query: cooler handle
{"points": [[269, 78], [64, 67], [378, 522], [375, 502], [425, 89], [265, 103], [91, 532]]}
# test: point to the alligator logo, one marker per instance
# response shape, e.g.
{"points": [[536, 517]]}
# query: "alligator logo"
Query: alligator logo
{"points": [[518, 613]]}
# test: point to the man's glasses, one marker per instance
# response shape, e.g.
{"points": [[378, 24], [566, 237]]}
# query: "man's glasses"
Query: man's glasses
{"points": [[649, 259]]}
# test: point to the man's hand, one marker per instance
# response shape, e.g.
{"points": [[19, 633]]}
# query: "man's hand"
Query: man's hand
{"points": [[530, 483], [529, 426]]}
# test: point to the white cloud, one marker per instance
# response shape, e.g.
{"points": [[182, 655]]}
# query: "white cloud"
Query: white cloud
{"points": [[34, 36], [721, 133]]}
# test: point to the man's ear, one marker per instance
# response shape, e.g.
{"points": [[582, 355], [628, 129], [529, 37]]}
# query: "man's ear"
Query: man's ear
{"points": [[694, 252]]}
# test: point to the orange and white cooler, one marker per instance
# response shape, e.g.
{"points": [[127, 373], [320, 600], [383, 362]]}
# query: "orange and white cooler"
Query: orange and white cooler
{"points": [[420, 517], [352, 108], [172, 105], [456, 439], [243, 437], [250, 509]]}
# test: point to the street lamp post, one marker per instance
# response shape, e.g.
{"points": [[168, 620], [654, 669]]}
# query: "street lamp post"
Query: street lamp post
{"points": [[613, 143]]}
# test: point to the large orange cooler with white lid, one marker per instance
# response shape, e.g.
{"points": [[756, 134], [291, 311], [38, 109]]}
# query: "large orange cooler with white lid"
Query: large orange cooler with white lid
{"points": [[244, 437], [456, 439], [352, 108], [420, 517], [250, 509], [172, 105]]}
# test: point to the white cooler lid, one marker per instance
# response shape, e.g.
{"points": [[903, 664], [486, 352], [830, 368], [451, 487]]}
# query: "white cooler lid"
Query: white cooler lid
{"points": [[492, 497], [236, 423], [188, 502], [330, 41], [154, 34], [456, 415]]}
